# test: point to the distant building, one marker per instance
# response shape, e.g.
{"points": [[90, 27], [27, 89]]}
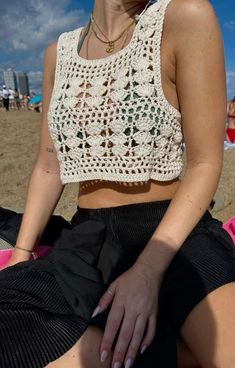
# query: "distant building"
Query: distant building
{"points": [[23, 83], [10, 79]]}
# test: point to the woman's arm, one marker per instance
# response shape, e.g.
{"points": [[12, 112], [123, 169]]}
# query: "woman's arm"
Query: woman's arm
{"points": [[201, 91], [201, 88], [45, 187]]}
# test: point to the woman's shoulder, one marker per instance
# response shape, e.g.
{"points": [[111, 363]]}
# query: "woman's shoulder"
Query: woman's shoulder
{"points": [[188, 8], [50, 54], [185, 18], [186, 13]]}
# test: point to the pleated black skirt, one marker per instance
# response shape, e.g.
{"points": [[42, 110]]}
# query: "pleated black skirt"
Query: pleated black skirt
{"points": [[46, 305]]}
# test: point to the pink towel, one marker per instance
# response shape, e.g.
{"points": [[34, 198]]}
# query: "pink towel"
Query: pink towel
{"points": [[5, 254], [229, 226]]}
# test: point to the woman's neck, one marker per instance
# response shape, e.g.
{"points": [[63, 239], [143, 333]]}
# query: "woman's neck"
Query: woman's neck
{"points": [[113, 16]]}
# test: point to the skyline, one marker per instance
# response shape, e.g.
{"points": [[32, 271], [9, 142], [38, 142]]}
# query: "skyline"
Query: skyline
{"points": [[22, 42]]}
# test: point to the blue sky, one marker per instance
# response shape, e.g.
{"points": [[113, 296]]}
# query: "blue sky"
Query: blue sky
{"points": [[27, 27]]}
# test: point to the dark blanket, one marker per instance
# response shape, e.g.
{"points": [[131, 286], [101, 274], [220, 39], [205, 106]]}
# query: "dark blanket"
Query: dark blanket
{"points": [[10, 222]]}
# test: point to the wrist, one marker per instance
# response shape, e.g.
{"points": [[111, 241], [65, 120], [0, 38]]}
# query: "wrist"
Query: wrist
{"points": [[147, 270], [23, 253], [18, 255], [23, 249], [157, 255]]}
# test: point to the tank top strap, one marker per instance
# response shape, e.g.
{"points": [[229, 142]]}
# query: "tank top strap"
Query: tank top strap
{"points": [[59, 49], [153, 19], [65, 49], [161, 12]]}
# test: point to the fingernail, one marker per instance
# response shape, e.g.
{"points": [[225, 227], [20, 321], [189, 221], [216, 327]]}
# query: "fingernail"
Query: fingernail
{"points": [[129, 363], [96, 311], [117, 365], [104, 356], [144, 347]]}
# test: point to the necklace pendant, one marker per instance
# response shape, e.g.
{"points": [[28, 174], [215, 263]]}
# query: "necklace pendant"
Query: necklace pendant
{"points": [[110, 47]]}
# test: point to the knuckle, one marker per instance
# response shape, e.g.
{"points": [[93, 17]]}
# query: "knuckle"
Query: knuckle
{"points": [[107, 343], [126, 334], [118, 355], [113, 323], [105, 298], [140, 330]]}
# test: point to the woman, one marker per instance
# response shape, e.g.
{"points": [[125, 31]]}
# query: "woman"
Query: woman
{"points": [[143, 260], [230, 131], [5, 96], [17, 100]]}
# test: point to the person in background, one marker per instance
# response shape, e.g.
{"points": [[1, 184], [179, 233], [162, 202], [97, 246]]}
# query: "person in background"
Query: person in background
{"points": [[17, 100], [1, 100], [26, 99], [230, 131], [11, 99], [5, 96], [37, 107]]}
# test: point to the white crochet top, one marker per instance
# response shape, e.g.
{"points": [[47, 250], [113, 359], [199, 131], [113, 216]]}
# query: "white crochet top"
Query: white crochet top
{"points": [[108, 117]]}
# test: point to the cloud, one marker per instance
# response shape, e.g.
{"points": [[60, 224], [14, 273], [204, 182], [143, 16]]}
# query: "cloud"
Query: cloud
{"points": [[28, 25], [230, 76], [230, 25]]}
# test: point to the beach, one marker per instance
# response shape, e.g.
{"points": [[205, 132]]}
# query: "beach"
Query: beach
{"points": [[18, 151]]}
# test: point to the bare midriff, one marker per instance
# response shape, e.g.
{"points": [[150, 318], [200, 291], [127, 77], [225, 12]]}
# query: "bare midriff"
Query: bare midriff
{"points": [[101, 193]]}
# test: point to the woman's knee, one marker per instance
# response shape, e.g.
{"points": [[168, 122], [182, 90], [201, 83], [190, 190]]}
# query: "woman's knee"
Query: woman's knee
{"points": [[89, 349], [209, 330]]}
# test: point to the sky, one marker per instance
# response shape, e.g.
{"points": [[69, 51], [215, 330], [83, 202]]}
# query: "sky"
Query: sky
{"points": [[28, 26]]}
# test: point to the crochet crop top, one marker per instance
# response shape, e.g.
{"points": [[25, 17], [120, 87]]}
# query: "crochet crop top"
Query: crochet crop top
{"points": [[108, 117]]}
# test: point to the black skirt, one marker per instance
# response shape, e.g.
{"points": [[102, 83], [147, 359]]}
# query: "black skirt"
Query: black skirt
{"points": [[46, 305]]}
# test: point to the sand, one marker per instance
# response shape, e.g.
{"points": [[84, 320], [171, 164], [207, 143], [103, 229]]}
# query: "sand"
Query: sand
{"points": [[18, 150]]}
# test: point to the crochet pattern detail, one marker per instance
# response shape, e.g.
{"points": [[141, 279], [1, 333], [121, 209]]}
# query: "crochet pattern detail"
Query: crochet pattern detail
{"points": [[108, 117]]}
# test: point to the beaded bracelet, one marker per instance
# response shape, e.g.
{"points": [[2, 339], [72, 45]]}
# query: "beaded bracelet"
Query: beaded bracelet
{"points": [[33, 254]]}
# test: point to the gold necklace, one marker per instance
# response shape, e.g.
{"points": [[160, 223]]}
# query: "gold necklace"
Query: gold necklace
{"points": [[87, 43], [110, 43]]}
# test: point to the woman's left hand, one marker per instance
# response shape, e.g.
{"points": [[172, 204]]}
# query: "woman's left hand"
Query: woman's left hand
{"points": [[134, 298]]}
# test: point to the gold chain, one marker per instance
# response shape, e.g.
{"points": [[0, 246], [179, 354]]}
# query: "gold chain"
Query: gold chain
{"points": [[110, 43], [88, 37], [93, 21]]}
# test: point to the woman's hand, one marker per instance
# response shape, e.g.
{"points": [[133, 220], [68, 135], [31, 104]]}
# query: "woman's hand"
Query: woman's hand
{"points": [[134, 298]]}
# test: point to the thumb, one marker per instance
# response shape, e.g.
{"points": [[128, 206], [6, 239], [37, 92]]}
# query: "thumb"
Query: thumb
{"points": [[105, 300]]}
